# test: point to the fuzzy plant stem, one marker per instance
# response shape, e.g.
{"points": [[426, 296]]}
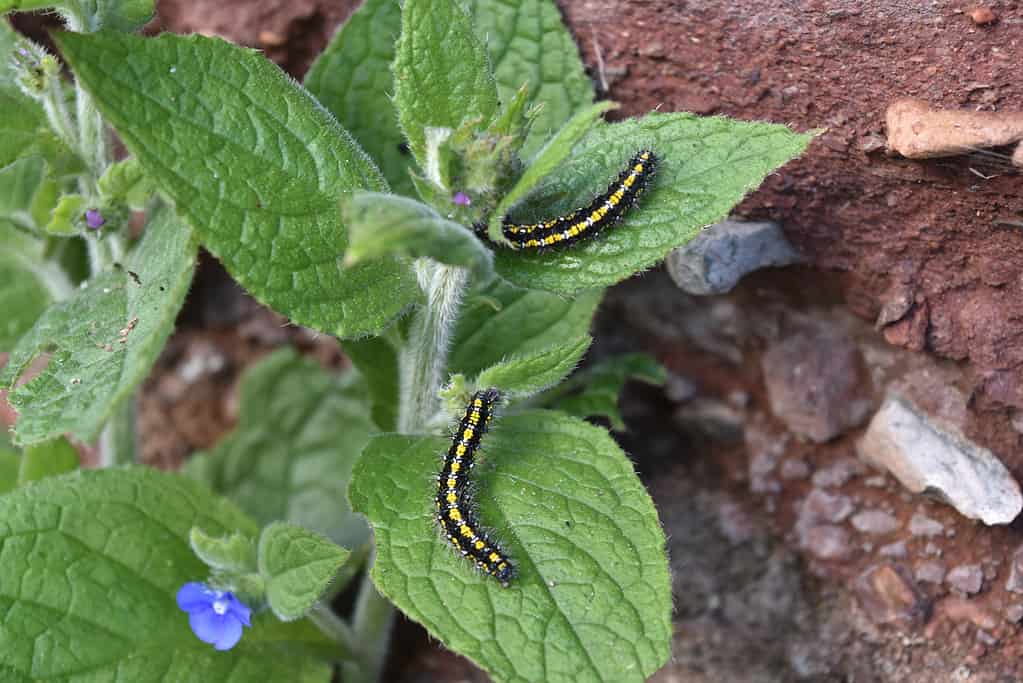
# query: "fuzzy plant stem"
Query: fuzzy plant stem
{"points": [[334, 627], [422, 363], [371, 626], [117, 440], [424, 358]]}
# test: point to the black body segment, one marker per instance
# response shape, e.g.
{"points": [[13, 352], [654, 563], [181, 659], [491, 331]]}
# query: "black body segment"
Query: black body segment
{"points": [[456, 512]]}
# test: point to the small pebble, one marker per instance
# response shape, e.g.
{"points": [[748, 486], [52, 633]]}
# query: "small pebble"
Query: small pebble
{"points": [[1014, 613], [982, 16], [966, 578], [874, 522], [922, 525], [897, 549], [826, 542], [930, 571], [795, 468]]}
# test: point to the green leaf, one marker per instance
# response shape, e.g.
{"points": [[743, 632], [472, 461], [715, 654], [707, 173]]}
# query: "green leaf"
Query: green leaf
{"points": [[104, 339], [594, 391], [23, 291], [297, 566], [352, 78], [442, 74], [290, 457], [383, 224], [21, 124], [127, 182], [500, 321], [592, 599], [526, 375], [10, 463], [235, 553], [706, 165], [47, 459], [254, 164], [67, 215], [27, 193], [120, 15], [548, 160], [92, 563], [528, 43], [377, 361]]}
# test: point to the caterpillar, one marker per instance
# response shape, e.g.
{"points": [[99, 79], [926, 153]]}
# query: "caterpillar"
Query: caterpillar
{"points": [[605, 210], [455, 507]]}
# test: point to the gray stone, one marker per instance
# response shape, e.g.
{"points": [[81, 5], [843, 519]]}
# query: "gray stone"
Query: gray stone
{"points": [[1014, 613], [795, 468], [821, 506], [896, 549], [927, 457], [715, 260], [922, 525], [838, 473], [876, 522], [966, 578], [826, 541], [816, 383], [930, 571]]}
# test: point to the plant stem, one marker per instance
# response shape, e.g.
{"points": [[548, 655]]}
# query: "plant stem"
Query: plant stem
{"points": [[334, 627], [371, 623], [117, 440], [423, 360]]}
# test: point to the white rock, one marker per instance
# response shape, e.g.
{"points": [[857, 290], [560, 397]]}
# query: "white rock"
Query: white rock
{"points": [[924, 456]]}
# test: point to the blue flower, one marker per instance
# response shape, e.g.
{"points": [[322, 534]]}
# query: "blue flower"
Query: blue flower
{"points": [[215, 616]]}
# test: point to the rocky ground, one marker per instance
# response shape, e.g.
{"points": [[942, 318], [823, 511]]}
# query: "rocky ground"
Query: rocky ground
{"points": [[835, 455]]}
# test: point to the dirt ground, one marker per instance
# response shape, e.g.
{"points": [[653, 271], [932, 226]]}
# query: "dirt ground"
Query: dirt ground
{"points": [[764, 591]]}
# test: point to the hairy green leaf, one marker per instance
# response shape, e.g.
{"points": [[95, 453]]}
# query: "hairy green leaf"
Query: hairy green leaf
{"points": [[27, 193], [47, 459], [104, 339], [235, 553], [297, 566], [10, 463], [592, 599], [290, 457], [706, 165], [383, 224], [377, 361], [500, 321], [352, 78], [594, 391], [529, 43], [91, 565], [92, 15], [127, 182], [442, 74], [24, 294], [527, 374], [255, 165]]}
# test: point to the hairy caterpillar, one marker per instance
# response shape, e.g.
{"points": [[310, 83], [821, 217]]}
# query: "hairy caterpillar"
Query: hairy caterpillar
{"points": [[455, 508], [603, 211]]}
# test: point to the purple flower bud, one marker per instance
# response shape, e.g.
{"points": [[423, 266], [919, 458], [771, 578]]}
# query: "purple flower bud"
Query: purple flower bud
{"points": [[216, 617], [94, 219], [462, 199]]}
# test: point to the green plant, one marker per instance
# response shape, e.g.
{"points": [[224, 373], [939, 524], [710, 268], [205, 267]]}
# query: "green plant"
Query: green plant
{"points": [[230, 154]]}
